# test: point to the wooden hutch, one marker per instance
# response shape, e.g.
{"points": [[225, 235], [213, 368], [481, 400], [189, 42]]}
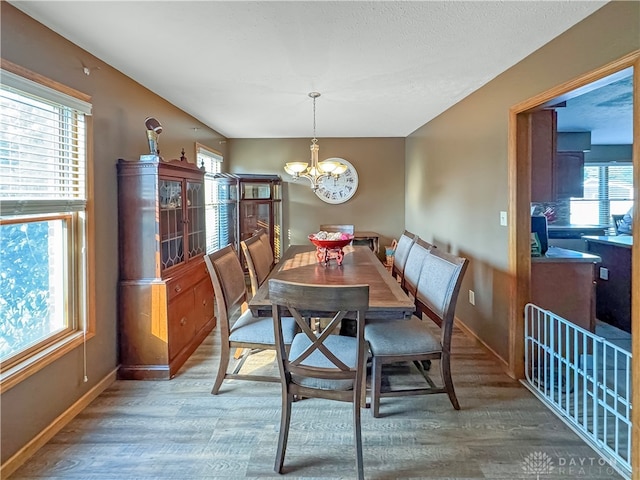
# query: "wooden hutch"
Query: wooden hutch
{"points": [[247, 203], [166, 303]]}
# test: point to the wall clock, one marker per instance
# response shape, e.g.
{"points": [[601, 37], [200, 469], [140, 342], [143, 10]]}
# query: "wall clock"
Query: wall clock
{"points": [[339, 190]]}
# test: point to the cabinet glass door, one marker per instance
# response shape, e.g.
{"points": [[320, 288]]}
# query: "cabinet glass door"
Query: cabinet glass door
{"points": [[254, 216], [196, 218], [171, 223]]}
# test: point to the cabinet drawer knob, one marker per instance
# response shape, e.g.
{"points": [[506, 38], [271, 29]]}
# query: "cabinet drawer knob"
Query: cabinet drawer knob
{"points": [[178, 288], [183, 321]]}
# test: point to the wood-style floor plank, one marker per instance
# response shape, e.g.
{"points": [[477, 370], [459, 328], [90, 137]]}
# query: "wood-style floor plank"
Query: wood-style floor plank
{"points": [[165, 430]]}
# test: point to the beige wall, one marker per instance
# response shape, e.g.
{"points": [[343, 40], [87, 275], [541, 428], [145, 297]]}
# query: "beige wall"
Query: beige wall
{"points": [[119, 109], [378, 204], [456, 170]]}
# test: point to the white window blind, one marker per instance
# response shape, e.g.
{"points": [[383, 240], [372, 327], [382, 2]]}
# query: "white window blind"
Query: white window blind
{"points": [[608, 190], [42, 152], [212, 162]]}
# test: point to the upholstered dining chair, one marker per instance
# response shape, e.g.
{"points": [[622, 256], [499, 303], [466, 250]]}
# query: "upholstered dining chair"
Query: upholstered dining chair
{"points": [[259, 257], [412, 340], [338, 228], [323, 364], [413, 266], [249, 333], [405, 242]]}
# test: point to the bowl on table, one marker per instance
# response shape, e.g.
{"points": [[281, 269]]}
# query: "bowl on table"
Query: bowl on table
{"points": [[331, 244], [328, 249]]}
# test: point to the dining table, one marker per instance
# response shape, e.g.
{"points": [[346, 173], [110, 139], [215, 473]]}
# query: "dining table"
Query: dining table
{"points": [[359, 266]]}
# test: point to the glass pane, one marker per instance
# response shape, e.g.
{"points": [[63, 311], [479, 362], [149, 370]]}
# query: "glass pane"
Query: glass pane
{"points": [[196, 217], [33, 283], [254, 216], [171, 223], [252, 191]]}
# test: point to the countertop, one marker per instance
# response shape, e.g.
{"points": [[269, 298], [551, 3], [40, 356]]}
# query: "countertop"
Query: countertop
{"points": [[616, 240], [557, 254]]}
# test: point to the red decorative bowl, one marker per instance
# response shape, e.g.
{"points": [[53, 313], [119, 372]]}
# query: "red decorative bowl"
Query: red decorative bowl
{"points": [[331, 243]]}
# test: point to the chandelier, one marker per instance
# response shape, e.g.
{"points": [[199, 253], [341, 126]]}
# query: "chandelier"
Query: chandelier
{"points": [[316, 171]]}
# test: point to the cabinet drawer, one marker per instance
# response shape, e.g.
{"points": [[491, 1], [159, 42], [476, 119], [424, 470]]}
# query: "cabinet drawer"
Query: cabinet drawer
{"points": [[181, 317]]}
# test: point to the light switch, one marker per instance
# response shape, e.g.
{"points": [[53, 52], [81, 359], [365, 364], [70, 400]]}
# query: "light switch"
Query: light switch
{"points": [[604, 273], [503, 219]]}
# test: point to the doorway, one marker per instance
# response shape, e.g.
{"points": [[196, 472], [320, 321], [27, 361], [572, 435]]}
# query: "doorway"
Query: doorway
{"points": [[520, 177]]}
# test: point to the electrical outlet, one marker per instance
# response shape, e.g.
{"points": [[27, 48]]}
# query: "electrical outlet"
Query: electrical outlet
{"points": [[604, 273], [472, 297], [503, 219]]}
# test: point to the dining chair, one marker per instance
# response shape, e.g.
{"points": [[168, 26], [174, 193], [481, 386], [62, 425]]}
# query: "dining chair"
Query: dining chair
{"points": [[250, 333], [264, 238], [259, 257], [338, 228], [616, 220], [402, 252], [412, 340], [413, 266], [323, 364]]}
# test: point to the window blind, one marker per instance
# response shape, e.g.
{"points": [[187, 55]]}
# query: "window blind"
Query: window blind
{"points": [[42, 150], [212, 163]]}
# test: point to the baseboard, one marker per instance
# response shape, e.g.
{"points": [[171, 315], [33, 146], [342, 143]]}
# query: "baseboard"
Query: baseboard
{"points": [[22, 455], [467, 331]]}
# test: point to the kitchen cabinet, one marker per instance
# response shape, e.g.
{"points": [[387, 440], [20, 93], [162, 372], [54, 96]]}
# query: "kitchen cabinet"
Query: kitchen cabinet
{"points": [[554, 174], [569, 174], [166, 301], [563, 282], [543, 125], [613, 289]]}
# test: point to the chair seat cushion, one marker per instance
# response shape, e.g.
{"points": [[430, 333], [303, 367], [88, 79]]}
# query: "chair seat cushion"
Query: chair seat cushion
{"points": [[250, 329], [343, 347], [400, 337]]}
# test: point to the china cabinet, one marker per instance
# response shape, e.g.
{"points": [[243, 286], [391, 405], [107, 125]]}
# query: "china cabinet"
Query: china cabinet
{"points": [[247, 203], [166, 305]]}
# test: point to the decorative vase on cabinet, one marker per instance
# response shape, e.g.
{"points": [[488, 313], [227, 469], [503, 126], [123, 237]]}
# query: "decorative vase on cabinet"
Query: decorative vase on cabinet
{"points": [[166, 305]]}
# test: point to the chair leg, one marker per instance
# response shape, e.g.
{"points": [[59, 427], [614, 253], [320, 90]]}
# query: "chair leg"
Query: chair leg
{"points": [[222, 368], [285, 420], [445, 369], [376, 386], [357, 434]]}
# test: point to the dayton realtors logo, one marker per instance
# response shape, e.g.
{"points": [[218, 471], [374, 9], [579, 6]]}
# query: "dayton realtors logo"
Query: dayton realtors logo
{"points": [[538, 463]]}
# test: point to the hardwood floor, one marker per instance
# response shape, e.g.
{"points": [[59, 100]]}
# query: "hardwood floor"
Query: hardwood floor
{"points": [[177, 430]]}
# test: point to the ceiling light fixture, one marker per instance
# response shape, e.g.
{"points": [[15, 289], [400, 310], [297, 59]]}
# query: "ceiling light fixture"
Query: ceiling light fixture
{"points": [[317, 171]]}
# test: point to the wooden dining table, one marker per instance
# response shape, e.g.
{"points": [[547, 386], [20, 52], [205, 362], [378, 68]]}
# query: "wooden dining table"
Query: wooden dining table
{"points": [[359, 266]]}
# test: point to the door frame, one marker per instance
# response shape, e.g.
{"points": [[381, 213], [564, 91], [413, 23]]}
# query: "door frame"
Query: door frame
{"points": [[519, 181]]}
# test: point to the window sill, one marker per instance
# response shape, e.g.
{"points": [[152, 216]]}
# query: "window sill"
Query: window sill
{"points": [[12, 376]]}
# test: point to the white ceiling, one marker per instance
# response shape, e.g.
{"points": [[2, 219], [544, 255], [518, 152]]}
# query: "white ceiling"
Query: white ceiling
{"points": [[245, 68]]}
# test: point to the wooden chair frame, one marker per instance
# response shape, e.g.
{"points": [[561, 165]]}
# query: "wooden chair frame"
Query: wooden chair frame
{"points": [[334, 302], [230, 291], [259, 258], [441, 314]]}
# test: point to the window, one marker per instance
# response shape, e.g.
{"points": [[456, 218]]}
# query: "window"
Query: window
{"points": [[608, 190], [212, 162], [43, 220]]}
